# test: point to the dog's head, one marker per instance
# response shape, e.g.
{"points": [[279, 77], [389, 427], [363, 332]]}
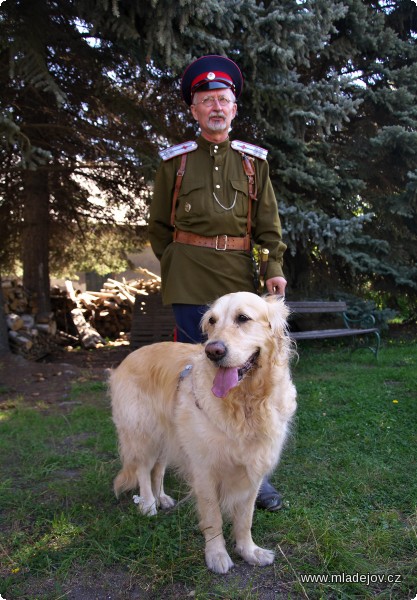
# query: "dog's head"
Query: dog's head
{"points": [[243, 331]]}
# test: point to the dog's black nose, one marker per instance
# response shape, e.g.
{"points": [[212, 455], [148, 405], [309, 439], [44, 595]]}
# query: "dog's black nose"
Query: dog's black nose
{"points": [[216, 350]]}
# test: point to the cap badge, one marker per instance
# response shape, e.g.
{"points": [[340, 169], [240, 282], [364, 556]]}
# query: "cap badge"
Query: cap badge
{"points": [[211, 76]]}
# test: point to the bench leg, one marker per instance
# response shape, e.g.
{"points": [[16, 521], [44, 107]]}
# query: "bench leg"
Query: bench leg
{"points": [[374, 349], [378, 344]]}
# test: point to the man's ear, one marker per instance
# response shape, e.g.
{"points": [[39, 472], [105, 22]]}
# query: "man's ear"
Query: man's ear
{"points": [[193, 111]]}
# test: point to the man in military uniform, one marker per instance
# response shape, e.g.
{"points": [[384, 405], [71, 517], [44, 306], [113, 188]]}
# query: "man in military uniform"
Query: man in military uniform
{"points": [[212, 198]]}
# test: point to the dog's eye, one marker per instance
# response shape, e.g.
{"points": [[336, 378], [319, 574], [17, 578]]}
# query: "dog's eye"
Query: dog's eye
{"points": [[243, 318], [212, 320]]}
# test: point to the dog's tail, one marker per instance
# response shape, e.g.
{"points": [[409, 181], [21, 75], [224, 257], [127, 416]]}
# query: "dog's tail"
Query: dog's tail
{"points": [[125, 480]]}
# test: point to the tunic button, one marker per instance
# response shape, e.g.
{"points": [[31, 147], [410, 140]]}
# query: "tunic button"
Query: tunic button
{"points": [[216, 168], [217, 186]]}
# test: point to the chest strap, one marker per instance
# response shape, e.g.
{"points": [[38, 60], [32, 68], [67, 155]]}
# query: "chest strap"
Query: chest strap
{"points": [[178, 182], [249, 168]]}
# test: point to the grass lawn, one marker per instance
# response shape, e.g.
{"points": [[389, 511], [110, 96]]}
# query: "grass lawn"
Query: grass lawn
{"points": [[348, 476]]}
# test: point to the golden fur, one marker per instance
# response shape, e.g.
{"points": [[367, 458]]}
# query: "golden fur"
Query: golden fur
{"points": [[223, 446]]}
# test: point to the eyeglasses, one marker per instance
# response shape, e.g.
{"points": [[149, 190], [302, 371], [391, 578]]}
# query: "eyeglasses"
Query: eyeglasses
{"points": [[210, 101]]}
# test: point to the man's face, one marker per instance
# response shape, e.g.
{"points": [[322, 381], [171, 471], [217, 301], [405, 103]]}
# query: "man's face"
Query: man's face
{"points": [[216, 119]]}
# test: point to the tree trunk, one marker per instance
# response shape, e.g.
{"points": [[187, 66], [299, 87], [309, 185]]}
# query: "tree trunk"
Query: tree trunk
{"points": [[298, 273], [4, 338], [35, 242]]}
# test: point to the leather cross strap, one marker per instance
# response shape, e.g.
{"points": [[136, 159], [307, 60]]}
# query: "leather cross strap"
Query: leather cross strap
{"points": [[218, 242], [249, 169], [178, 181]]}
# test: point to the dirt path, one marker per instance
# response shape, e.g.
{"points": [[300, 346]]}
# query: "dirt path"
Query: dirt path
{"points": [[51, 377]]}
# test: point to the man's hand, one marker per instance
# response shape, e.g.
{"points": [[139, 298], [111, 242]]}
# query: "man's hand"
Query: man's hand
{"points": [[276, 285]]}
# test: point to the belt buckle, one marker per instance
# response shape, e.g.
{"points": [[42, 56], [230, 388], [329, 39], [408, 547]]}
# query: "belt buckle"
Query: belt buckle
{"points": [[225, 242]]}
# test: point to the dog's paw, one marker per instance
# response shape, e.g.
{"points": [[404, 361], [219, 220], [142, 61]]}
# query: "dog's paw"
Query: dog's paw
{"points": [[256, 556], [147, 508], [166, 502], [218, 561]]}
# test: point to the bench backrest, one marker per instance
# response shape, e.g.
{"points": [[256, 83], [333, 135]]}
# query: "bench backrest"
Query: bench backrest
{"points": [[316, 306], [153, 322]]}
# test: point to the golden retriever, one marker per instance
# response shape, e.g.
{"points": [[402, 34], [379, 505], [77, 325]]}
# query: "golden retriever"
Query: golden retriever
{"points": [[218, 412]]}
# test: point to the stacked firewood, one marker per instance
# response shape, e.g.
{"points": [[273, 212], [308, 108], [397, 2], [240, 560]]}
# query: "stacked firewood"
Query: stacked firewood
{"points": [[30, 333], [108, 312], [77, 318]]}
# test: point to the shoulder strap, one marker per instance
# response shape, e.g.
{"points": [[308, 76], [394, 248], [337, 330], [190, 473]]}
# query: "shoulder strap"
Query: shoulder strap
{"points": [[183, 148], [250, 149], [178, 181]]}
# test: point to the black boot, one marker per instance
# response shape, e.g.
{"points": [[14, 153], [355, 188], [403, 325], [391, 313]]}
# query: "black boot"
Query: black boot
{"points": [[268, 498]]}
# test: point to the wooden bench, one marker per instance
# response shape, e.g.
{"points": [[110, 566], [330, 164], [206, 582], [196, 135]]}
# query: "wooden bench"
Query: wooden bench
{"points": [[362, 327], [153, 322]]}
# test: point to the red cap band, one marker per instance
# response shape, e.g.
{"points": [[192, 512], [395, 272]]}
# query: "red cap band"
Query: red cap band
{"points": [[216, 76]]}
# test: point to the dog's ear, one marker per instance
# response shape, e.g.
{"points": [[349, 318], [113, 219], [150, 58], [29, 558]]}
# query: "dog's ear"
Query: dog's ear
{"points": [[205, 320], [278, 313]]}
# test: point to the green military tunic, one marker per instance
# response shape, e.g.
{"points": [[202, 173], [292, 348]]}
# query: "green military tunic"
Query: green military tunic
{"points": [[213, 200]]}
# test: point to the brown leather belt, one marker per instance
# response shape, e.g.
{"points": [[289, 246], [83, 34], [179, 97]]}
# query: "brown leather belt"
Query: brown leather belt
{"points": [[218, 242]]}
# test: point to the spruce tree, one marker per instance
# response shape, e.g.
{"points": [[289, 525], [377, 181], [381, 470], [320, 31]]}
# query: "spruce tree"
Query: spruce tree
{"points": [[381, 140], [77, 116], [330, 91]]}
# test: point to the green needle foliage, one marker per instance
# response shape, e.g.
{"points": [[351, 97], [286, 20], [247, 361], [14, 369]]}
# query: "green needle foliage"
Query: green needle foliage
{"points": [[90, 92]]}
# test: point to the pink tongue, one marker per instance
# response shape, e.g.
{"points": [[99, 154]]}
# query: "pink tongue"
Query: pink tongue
{"points": [[225, 380]]}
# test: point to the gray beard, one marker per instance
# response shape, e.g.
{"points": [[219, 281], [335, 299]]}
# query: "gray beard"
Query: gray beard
{"points": [[217, 126]]}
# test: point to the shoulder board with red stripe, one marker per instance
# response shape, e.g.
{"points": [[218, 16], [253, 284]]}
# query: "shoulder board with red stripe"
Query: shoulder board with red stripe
{"points": [[177, 150], [250, 149]]}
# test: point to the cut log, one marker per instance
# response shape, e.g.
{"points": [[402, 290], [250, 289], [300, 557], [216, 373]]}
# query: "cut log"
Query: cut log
{"points": [[130, 297], [47, 327], [29, 321], [151, 275], [70, 291], [66, 338], [20, 340], [14, 322], [89, 337]]}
